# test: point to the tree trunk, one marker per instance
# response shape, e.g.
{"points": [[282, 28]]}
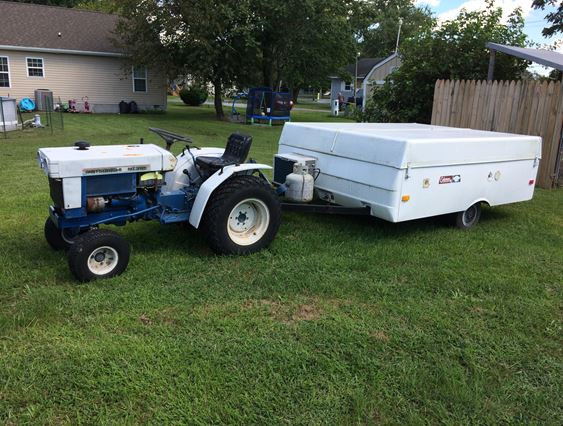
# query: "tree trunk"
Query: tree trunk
{"points": [[295, 94], [218, 100], [267, 66]]}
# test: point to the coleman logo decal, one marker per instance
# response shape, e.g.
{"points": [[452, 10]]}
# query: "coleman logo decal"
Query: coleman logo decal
{"points": [[449, 179]]}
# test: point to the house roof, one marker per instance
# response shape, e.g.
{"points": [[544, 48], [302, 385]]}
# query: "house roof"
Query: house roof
{"points": [[365, 65], [548, 58], [37, 26]]}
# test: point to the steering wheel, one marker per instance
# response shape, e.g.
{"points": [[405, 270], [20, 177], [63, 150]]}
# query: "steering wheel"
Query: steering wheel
{"points": [[170, 137]]}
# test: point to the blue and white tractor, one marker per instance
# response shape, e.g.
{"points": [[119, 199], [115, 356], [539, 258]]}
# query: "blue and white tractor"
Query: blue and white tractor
{"points": [[210, 188]]}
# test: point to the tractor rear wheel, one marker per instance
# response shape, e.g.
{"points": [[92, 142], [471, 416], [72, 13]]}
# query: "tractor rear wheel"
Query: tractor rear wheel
{"points": [[243, 216], [99, 253]]}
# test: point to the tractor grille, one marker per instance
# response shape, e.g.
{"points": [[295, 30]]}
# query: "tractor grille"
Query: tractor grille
{"points": [[56, 190]]}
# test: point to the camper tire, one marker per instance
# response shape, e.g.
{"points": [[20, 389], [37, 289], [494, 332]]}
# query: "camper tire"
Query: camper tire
{"points": [[242, 216], [468, 219], [98, 254]]}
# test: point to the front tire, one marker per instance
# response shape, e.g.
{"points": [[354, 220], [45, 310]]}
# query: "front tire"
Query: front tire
{"points": [[243, 216], [54, 237], [468, 219], [60, 239], [98, 254]]}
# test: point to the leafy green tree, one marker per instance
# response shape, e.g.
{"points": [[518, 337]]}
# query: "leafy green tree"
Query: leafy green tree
{"points": [[210, 40], [301, 42], [379, 25], [453, 50], [107, 6], [245, 43], [555, 18]]}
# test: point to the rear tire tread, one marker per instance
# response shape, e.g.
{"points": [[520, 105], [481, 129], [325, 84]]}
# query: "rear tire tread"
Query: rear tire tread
{"points": [[222, 201]]}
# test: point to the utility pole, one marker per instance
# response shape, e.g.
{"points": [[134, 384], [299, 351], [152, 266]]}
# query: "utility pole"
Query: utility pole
{"points": [[398, 35], [356, 78]]}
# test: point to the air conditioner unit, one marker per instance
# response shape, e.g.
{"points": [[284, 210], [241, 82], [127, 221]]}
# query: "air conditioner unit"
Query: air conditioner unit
{"points": [[44, 99], [283, 165]]}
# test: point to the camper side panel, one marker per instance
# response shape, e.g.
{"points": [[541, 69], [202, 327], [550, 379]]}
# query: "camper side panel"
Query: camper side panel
{"points": [[435, 191]]}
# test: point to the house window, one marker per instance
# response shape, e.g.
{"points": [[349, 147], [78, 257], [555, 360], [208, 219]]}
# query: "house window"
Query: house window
{"points": [[140, 79], [4, 72], [35, 67], [348, 86]]}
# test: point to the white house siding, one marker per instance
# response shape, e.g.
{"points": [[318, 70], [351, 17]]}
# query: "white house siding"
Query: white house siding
{"points": [[382, 71], [338, 85], [70, 76]]}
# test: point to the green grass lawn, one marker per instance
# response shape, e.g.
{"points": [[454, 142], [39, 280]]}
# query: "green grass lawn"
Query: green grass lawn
{"points": [[343, 320]]}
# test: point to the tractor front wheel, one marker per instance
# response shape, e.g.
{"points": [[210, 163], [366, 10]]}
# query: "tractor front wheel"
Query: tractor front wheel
{"points": [[99, 253], [53, 235], [243, 216], [60, 239]]}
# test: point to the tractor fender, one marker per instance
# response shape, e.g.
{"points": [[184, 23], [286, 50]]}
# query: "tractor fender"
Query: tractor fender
{"points": [[213, 182]]}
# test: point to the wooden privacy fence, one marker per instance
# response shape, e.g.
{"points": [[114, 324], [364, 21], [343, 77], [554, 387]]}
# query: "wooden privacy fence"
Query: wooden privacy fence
{"points": [[524, 107]]}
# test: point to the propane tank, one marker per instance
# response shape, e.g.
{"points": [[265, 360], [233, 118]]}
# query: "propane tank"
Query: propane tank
{"points": [[300, 184]]}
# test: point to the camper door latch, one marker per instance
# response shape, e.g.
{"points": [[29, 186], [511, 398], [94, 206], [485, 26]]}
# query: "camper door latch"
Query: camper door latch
{"points": [[536, 160], [408, 172]]}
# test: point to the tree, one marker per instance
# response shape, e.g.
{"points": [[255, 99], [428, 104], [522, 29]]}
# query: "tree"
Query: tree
{"points": [[454, 50], [302, 42], [379, 24], [243, 43], [556, 17], [211, 40], [107, 6]]}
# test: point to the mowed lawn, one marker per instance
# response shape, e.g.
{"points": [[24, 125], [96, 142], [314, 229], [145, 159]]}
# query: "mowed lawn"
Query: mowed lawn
{"points": [[343, 320]]}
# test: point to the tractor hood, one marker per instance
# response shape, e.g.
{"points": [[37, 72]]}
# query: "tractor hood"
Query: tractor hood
{"points": [[104, 160]]}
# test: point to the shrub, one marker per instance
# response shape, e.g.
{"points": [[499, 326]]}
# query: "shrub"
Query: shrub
{"points": [[193, 95]]}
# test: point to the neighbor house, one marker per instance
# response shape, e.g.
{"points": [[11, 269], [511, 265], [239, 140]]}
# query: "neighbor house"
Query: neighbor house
{"points": [[71, 53], [370, 72]]}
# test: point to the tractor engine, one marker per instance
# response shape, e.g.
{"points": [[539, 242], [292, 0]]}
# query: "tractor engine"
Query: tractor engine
{"points": [[103, 180]]}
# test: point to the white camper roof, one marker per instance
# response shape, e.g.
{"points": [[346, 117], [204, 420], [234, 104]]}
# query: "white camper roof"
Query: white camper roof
{"points": [[409, 144]]}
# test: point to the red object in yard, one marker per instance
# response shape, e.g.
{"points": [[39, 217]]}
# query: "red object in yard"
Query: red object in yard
{"points": [[86, 105], [72, 105]]}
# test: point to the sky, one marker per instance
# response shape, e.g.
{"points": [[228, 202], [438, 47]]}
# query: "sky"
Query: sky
{"points": [[535, 19]]}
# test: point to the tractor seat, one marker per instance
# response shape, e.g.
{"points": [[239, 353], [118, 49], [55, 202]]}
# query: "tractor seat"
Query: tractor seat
{"points": [[236, 152]]}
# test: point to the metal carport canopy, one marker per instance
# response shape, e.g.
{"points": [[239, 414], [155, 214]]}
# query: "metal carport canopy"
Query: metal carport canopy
{"points": [[548, 58]]}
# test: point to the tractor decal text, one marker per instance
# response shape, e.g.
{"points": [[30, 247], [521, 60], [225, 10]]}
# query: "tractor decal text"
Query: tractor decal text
{"points": [[112, 170]]}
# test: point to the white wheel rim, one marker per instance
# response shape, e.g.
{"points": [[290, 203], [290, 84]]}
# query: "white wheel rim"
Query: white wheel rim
{"points": [[103, 260], [248, 221]]}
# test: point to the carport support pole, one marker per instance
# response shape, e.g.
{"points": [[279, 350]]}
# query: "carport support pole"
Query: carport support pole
{"points": [[492, 59]]}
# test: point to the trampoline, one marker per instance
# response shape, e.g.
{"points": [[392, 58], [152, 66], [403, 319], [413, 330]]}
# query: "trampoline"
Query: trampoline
{"points": [[265, 106]]}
